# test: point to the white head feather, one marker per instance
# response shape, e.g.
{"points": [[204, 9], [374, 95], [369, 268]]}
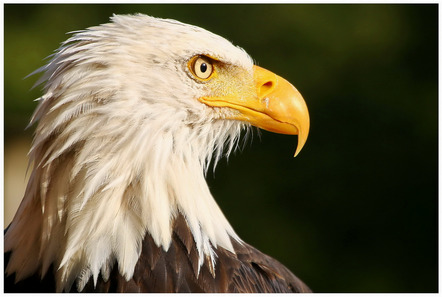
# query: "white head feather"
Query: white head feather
{"points": [[121, 146]]}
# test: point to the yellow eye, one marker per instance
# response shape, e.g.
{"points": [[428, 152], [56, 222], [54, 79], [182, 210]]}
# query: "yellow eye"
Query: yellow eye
{"points": [[201, 67]]}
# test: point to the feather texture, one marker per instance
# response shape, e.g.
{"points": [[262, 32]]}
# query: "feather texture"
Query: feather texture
{"points": [[244, 270]]}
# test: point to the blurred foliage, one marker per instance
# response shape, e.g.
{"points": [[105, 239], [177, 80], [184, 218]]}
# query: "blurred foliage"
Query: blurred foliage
{"points": [[357, 210]]}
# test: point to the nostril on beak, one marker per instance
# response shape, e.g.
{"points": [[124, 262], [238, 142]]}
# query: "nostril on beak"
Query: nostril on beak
{"points": [[266, 88]]}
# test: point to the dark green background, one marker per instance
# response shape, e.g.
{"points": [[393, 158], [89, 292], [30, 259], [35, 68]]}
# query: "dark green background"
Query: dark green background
{"points": [[357, 211]]}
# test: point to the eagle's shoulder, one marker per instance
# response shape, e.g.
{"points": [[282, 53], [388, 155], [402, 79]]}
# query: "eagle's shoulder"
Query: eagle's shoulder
{"points": [[262, 273]]}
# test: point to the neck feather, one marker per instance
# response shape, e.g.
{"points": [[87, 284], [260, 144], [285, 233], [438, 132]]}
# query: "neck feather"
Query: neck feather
{"points": [[96, 190]]}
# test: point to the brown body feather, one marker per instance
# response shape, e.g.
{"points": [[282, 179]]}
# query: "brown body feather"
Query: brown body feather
{"points": [[176, 270]]}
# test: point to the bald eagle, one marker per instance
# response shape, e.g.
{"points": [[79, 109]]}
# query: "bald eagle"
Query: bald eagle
{"points": [[133, 113]]}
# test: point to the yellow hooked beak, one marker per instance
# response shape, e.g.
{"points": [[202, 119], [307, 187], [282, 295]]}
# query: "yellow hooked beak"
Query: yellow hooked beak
{"points": [[277, 107]]}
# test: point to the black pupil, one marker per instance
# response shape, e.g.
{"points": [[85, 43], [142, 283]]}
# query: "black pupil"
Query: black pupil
{"points": [[203, 67]]}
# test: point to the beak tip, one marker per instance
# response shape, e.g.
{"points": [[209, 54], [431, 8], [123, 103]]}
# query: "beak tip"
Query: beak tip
{"points": [[298, 150], [301, 141]]}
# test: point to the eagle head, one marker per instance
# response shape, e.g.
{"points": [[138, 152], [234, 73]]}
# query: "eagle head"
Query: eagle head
{"points": [[132, 114]]}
